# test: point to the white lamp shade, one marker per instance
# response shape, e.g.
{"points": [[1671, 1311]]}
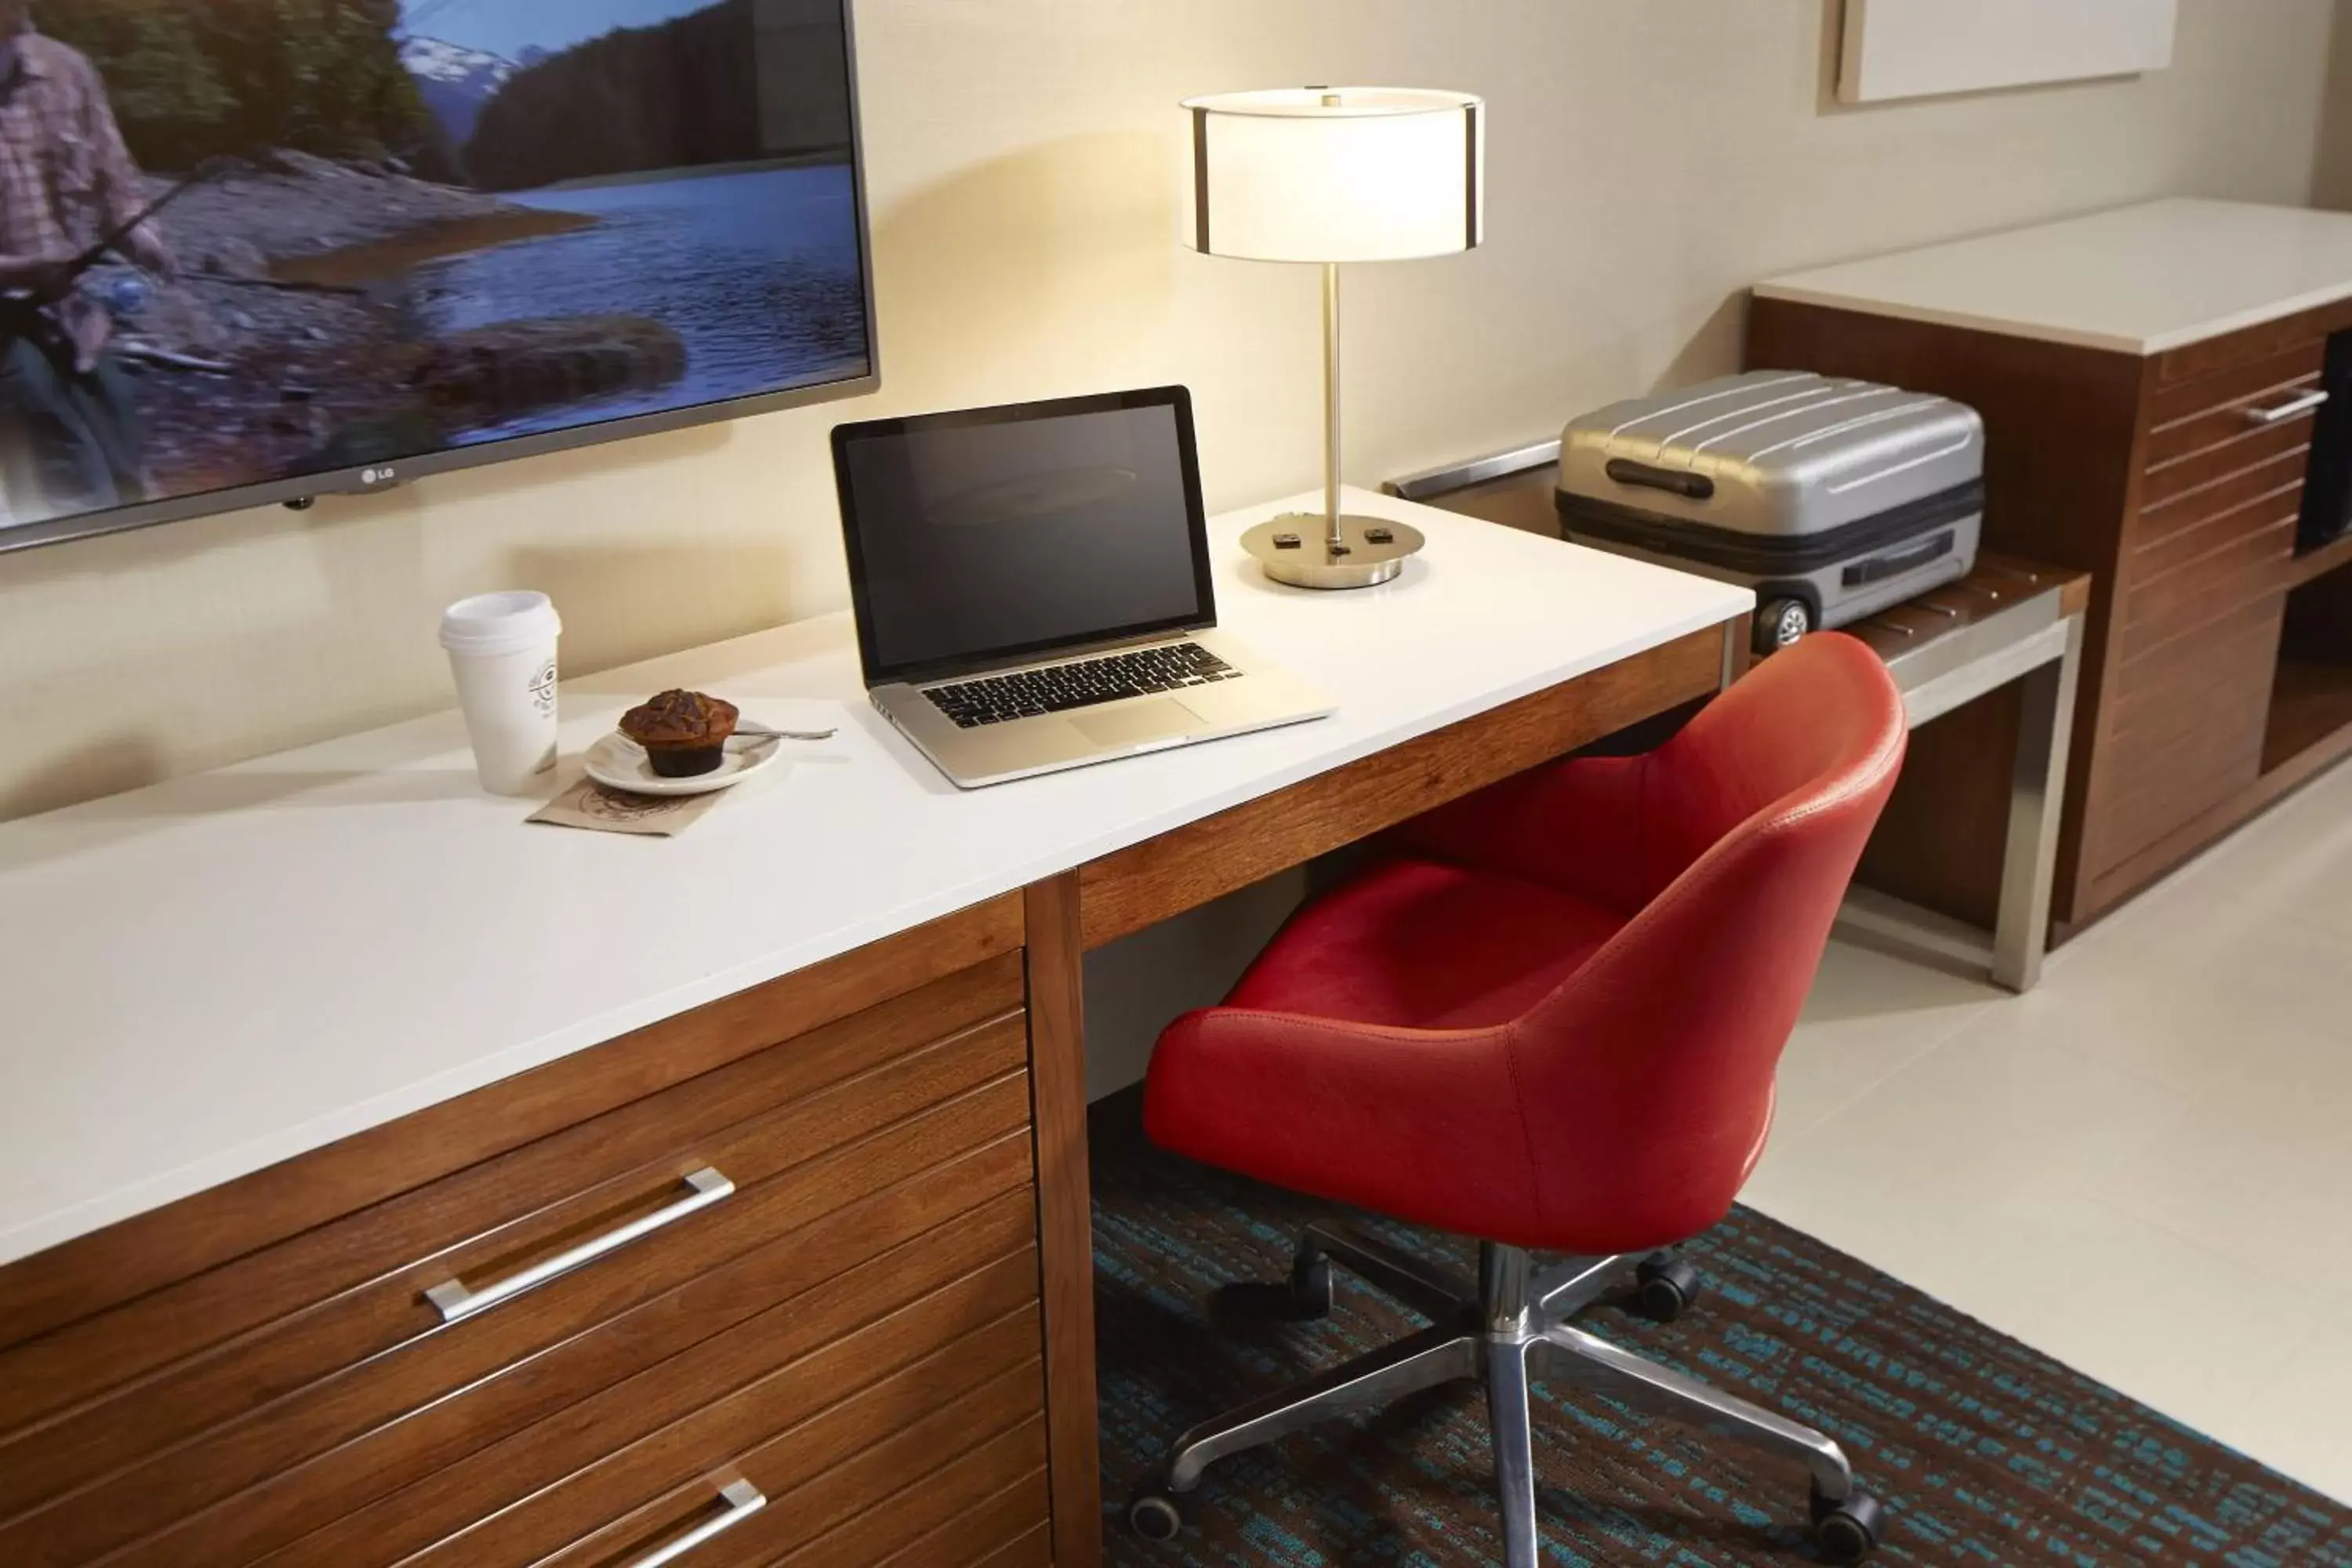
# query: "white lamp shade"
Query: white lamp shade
{"points": [[1351, 173]]}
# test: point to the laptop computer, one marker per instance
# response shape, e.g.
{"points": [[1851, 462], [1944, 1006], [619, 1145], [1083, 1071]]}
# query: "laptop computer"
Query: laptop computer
{"points": [[1033, 590]]}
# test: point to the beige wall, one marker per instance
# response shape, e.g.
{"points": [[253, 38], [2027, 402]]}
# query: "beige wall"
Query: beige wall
{"points": [[1649, 158], [2331, 180]]}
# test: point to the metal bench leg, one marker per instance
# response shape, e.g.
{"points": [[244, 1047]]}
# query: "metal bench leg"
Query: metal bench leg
{"points": [[2036, 802]]}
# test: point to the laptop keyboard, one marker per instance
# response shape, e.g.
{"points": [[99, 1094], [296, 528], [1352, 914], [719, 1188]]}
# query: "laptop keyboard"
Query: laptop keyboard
{"points": [[1057, 689]]}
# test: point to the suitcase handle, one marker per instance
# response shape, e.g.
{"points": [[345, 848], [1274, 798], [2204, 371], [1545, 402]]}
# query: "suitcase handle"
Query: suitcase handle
{"points": [[1879, 568], [1679, 481]]}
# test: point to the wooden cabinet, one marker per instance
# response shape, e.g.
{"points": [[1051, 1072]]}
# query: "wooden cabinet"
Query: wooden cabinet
{"points": [[809, 1217], [2163, 477]]}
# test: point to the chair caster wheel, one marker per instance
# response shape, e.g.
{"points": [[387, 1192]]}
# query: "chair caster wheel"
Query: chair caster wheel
{"points": [[1668, 1286], [1157, 1515], [1847, 1532], [1310, 1290]]}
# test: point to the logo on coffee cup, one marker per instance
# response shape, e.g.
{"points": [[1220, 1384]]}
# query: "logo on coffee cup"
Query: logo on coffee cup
{"points": [[542, 687]]}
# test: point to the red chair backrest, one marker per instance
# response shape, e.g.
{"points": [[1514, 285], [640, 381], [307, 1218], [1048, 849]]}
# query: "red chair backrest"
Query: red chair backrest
{"points": [[1646, 1078]]}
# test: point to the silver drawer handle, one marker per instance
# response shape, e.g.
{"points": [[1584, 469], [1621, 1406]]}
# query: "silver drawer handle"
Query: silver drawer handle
{"points": [[2282, 412], [456, 1301], [742, 1500]]}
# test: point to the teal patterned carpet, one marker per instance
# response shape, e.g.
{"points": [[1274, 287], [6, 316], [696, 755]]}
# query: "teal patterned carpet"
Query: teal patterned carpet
{"points": [[1984, 1452]]}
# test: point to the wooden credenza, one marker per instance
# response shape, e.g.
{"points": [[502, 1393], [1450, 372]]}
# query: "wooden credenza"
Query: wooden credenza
{"points": [[2129, 439], [259, 1374]]}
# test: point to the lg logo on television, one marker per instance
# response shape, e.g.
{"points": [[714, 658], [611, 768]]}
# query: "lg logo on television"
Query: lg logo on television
{"points": [[378, 476]]}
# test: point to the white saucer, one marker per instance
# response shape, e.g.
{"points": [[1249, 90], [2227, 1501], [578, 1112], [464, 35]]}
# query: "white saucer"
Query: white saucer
{"points": [[618, 763]]}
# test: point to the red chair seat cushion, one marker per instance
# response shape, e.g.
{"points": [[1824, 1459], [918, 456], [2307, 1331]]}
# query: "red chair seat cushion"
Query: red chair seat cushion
{"points": [[1418, 944], [1394, 1091]]}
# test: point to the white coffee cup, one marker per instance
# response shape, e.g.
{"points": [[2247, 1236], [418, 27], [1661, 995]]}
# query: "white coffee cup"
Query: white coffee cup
{"points": [[502, 652]]}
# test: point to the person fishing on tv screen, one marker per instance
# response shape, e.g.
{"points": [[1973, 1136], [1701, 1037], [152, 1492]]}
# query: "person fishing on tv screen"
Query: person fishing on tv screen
{"points": [[70, 433]]}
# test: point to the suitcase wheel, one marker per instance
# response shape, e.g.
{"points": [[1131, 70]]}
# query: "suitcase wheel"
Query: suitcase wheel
{"points": [[1782, 623]]}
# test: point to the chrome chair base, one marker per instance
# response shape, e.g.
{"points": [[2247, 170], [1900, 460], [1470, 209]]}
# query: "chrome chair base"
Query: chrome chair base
{"points": [[1513, 1328]]}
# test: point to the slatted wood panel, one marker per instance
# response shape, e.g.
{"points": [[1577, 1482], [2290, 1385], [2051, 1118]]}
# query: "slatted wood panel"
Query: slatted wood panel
{"points": [[2240, 568], [885, 1211], [2172, 701], [821, 1500], [2258, 463], [954, 1340], [1032, 1550], [951, 1546], [948, 1514]]}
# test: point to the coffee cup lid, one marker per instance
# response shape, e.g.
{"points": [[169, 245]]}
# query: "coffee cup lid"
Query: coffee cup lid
{"points": [[505, 622]]}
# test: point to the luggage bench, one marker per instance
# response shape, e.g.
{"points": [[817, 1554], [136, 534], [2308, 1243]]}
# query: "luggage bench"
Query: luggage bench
{"points": [[2007, 621]]}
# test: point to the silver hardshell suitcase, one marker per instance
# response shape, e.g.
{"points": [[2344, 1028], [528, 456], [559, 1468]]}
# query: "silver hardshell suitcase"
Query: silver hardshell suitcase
{"points": [[1832, 498]]}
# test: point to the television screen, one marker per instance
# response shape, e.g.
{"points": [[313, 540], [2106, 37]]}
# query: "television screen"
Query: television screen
{"points": [[252, 251]]}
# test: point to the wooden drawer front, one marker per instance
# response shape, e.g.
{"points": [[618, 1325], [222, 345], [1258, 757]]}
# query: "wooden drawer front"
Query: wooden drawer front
{"points": [[2209, 413], [2160, 789], [2183, 573], [2258, 463], [977, 1464], [913, 1458], [2194, 364], [1034, 1550], [2184, 731], [825, 1424], [2175, 693], [952, 1517], [444, 1468], [305, 1392], [2218, 500]]}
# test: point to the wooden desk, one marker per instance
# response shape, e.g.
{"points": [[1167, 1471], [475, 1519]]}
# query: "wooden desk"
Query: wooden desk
{"points": [[292, 1045]]}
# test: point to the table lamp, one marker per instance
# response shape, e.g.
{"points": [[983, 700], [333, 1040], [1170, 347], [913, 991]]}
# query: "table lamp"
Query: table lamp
{"points": [[1330, 176]]}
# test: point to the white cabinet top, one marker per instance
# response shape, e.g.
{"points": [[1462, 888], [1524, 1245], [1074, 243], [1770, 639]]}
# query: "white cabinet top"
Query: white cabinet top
{"points": [[2137, 279], [206, 977]]}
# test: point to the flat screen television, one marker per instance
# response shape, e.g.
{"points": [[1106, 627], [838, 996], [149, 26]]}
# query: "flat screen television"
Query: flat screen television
{"points": [[276, 252]]}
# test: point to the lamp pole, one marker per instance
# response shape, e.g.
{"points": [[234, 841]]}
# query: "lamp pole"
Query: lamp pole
{"points": [[1334, 536]]}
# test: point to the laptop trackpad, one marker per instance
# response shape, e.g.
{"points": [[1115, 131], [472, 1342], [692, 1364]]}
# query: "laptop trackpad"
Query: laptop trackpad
{"points": [[1139, 721]]}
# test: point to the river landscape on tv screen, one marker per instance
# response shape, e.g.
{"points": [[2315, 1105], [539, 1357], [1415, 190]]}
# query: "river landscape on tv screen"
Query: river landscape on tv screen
{"points": [[392, 227]]}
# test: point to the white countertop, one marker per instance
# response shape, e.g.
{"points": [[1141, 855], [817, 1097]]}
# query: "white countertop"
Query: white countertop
{"points": [[2138, 280], [209, 976]]}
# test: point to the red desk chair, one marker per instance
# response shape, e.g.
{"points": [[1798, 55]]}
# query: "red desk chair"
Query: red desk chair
{"points": [[1550, 1020]]}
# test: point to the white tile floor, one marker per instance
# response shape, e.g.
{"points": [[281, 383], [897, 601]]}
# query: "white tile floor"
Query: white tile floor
{"points": [[2144, 1167]]}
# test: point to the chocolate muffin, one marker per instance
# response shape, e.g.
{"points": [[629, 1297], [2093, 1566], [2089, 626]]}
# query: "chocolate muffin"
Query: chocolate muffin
{"points": [[684, 734]]}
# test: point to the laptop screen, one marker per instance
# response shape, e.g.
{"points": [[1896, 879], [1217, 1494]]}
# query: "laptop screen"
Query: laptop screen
{"points": [[982, 538]]}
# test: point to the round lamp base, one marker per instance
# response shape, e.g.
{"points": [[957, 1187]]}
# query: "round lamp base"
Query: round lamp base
{"points": [[1296, 549]]}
